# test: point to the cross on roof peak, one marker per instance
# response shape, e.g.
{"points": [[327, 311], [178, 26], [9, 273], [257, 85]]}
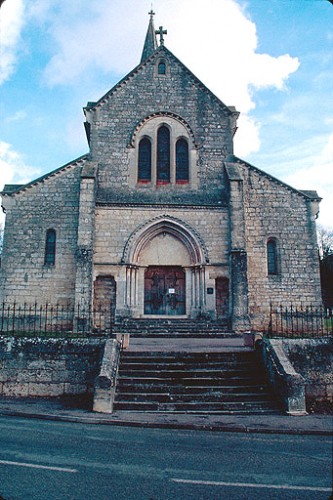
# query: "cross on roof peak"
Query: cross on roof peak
{"points": [[151, 13], [161, 32]]}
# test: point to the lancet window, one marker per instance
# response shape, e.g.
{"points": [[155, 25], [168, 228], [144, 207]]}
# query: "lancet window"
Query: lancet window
{"points": [[50, 247], [272, 261]]}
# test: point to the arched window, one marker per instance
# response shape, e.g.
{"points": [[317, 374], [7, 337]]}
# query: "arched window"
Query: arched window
{"points": [[50, 247], [163, 155], [182, 161], [161, 68], [272, 267], [144, 161]]}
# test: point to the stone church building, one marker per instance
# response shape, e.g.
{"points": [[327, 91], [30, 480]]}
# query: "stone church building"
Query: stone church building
{"points": [[160, 219]]}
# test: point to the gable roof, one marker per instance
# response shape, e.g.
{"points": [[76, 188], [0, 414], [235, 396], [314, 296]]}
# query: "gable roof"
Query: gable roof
{"points": [[11, 189], [160, 51], [310, 195]]}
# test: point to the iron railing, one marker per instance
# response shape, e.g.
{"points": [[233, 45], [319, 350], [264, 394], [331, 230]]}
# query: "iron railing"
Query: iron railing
{"points": [[300, 321], [53, 320]]}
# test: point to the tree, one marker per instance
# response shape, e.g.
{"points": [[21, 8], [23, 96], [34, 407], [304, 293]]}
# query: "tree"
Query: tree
{"points": [[325, 242], [325, 246]]}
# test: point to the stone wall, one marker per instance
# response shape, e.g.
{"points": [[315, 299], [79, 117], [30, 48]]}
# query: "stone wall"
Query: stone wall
{"points": [[313, 359], [114, 226], [301, 372], [52, 203], [273, 210], [49, 367]]}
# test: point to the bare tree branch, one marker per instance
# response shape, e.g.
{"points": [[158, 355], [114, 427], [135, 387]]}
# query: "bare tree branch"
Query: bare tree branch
{"points": [[325, 241]]}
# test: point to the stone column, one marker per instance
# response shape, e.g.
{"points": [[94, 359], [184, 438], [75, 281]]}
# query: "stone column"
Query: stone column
{"points": [[85, 242], [239, 290], [238, 257], [314, 270]]}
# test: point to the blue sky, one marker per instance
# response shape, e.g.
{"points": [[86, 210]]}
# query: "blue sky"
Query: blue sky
{"points": [[272, 59]]}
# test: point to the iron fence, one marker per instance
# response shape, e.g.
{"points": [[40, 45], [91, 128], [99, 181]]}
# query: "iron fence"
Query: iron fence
{"points": [[300, 321], [53, 320]]}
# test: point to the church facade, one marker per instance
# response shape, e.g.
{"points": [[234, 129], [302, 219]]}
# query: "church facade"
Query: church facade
{"points": [[160, 219]]}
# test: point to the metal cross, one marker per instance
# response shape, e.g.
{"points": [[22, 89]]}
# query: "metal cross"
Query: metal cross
{"points": [[151, 13], [161, 32]]}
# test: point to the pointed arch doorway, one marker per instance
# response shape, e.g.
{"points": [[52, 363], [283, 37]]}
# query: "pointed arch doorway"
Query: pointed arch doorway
{"points": [[164, 291], [165, 274]]}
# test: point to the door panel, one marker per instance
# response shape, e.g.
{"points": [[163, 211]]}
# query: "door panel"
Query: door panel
{"points": [[222, 298], [104, 302], [165, 290]]}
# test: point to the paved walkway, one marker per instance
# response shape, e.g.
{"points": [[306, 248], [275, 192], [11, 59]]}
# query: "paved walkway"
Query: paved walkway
{"points": [[56, 409], [183, 344]]}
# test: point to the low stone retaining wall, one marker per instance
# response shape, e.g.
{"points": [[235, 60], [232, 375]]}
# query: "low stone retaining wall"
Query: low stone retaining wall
{"points": [[49, 367], [313, 359], [289, 385], [301, 371]]}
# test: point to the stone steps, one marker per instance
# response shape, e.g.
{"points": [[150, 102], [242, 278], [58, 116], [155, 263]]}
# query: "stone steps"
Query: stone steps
{"points": [[193, 382], [188, 389], [170, 328], [207, 396], [198, 408]]}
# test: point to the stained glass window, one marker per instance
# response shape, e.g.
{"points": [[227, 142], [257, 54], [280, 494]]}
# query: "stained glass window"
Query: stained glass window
{"points": [[161, 68], [182, 163], [144, 163], [50, 248], [163, 154], [271, 257]]}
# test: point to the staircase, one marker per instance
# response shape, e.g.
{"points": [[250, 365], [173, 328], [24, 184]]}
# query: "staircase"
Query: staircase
{"points": [[171, 328], [213, 382]]}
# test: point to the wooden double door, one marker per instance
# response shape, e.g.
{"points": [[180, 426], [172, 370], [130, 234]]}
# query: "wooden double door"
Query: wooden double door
{"points": [[164, 291]]}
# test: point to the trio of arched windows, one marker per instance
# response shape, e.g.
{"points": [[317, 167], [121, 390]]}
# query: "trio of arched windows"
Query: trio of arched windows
{"points": [[163, 158]]}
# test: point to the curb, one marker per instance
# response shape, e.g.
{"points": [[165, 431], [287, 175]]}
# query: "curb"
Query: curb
{"points": [[216, 427]]}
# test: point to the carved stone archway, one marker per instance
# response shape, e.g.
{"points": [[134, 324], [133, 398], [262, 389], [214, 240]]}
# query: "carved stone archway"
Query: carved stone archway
{"points": [[166, 245]]}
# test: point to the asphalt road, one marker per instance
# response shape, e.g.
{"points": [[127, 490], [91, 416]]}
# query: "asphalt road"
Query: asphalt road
{"points": [[45, 460]]}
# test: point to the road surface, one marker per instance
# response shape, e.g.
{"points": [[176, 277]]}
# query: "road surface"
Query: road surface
{"points": [[46, 460]]}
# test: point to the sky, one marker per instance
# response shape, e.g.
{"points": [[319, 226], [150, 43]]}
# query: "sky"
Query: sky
{"points": [[271, 59]]}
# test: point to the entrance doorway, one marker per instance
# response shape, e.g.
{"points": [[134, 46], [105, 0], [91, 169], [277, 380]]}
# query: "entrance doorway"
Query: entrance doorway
{"points": [[165, 290], [104, 302]]}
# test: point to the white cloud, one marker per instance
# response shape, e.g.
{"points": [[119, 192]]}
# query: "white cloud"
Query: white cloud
{"points": [[17, 116], [13, 168], [12, 20], [318, 176], [204, 34], [246, 140], [99, 38]]}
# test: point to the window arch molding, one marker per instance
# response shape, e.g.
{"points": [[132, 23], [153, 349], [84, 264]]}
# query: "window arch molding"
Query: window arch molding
{"points": [[162, 68], [166, 116], [180, 133]]}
